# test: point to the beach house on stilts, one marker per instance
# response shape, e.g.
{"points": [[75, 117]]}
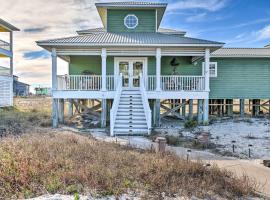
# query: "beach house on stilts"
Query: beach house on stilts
{"points": [[141, 72]]}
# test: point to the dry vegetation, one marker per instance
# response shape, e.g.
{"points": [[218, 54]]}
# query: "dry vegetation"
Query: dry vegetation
{"points": [[45, 160]]}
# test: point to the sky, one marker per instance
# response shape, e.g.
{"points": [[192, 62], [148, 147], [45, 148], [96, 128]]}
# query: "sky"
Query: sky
{"points": [[238, 23]]}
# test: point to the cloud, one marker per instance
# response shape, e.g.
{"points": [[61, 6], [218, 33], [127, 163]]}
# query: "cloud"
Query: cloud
{"points": [[209, 5], [39, 20], [197, 18], [35, 30], [263, 34], [36, 54]]}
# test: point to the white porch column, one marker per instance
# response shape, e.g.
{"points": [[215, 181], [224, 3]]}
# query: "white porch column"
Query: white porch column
{"points": [[206, 69], [104, 60], [54, 70], [11, 50], [54, 87], [158, 68]]}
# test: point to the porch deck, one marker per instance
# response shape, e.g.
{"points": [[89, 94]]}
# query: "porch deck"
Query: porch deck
{"points": [[88, 86]]}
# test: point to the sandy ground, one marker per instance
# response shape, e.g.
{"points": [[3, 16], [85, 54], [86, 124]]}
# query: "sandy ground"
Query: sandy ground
{"points": [[253, 168]]}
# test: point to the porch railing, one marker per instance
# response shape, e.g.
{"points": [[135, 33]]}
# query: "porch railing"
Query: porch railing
{"points": [[167, 83], [85, 82], [146, 107], [176, 83], [115, 105], [4, 45]]}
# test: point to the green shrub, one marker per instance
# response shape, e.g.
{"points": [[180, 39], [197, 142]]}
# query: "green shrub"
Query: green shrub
{"points": [[191, 124]]}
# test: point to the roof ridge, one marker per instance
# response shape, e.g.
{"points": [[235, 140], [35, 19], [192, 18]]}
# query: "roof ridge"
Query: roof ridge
{"points": [[204, 40]]}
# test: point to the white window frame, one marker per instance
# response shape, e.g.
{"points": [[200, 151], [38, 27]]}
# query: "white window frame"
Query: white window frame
{"points": [[131, 15], [210, 74]]}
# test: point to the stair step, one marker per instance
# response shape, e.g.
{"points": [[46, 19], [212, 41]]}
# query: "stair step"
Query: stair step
{"points": [[130, 126], [130, 106], [130, 131], [133, 117], [132, 121], [131, 103], [130, 111]]}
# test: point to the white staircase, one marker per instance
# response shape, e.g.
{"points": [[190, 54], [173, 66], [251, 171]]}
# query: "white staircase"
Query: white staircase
{"points": [[130, 117]]}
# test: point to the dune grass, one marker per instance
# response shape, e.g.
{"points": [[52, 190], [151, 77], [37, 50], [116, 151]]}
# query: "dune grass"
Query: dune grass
{"points": [[36, 160], [66, 163]]}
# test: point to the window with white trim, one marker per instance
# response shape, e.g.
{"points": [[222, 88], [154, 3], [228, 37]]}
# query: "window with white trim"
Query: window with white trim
{"points": [[212, 69], [131, 21]]}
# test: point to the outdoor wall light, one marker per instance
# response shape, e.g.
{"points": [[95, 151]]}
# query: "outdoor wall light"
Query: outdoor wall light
{"points": [[188, 154], [249, 150], [233, 145]]}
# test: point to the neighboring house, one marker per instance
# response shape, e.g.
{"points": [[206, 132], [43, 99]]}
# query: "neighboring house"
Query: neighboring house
{"points": [[6, 74], [20, 88], [4, 71], [43, 91], [146, 72]]}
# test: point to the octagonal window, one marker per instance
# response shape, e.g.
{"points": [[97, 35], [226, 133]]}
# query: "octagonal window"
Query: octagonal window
{"points": [[131, 21]]}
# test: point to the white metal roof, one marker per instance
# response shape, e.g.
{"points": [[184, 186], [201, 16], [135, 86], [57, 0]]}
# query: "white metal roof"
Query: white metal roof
{"points": [[7, 25], [127, 39], [241, 52]]}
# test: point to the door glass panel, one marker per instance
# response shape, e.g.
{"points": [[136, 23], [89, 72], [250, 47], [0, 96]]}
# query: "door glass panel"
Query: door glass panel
{"points": [[137, 69], [123, 68]]}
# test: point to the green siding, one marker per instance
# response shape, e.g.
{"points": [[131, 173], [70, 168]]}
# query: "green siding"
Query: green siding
{"points": [[110, 65], [147, 20], [241, 78], [185, 66], [78, 64], [151, 66]]}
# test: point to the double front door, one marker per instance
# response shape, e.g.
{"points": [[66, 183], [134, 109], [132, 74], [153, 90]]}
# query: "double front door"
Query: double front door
{"points": [[131, 70]]}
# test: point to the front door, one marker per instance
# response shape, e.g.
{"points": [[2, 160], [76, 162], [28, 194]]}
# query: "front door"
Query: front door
{"points": [[131, 70]]}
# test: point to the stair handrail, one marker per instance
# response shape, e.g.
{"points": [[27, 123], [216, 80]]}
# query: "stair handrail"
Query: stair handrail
{"points": [[146, 107], [116, 102]]}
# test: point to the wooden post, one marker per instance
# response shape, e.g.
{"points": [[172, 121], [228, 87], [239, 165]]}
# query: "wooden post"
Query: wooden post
{"points": [[61, 105], [200, 111], [190, 110], [205, 111], [104, 73], [229, 107], [158, 68], [255, 107], [157, 112], [184, 108], [55, 113], [242, 107], [70, 108], [103, 113]]}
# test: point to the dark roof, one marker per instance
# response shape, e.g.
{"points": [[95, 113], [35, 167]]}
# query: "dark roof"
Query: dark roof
{"points": [[7, 25], [124, 39]]}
